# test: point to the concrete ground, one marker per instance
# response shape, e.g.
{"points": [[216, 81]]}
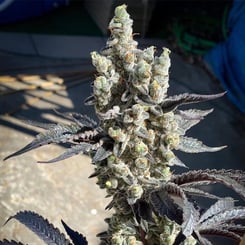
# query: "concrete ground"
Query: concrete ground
{"points": [[40, 73]]}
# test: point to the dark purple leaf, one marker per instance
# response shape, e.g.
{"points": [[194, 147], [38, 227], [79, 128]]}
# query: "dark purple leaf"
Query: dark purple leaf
{"points": [[80, 119], [172, 102], [58, 134], [41, 227], [74, 150], [191, 145], [232, 214], [222, 233], [77, 238], [101, 154], [12, 242], [220, 206]]}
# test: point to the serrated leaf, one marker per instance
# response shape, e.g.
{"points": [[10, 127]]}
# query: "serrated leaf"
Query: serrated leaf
{"points": [[231, 183], [12, 242], [180, 238], [220, 206], [193, 114], [101, 154], [237, 175], [197, 192], [87, 135], [184, 125], [190, 216], [172, 202], [77, 238], [94, 174], [175, 161], [39, 124], [191, 145], [80, 119], [103, 234], [235, 228], [163, 205], [143, 211], [204, 177], [58, 134], [172, 102], [189, 118], [222, 233], [90, 100], [226, 216], [41, 227], [193, 178], [74, 150]]}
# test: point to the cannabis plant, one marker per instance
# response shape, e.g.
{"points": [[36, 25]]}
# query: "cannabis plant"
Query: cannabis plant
{"points": [[133, 149]]}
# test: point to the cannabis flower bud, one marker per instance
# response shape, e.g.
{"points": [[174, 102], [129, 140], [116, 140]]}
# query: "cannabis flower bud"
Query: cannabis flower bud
{"points": [[133, 148], [132, 85]]}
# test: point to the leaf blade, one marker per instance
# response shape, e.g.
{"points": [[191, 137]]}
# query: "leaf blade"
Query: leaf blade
{"points": [[12, 242], [41, 227], [172, 102], [80, 148], [217, 207], [77, 238], [191, 145], [58, 134], [223, 217]]}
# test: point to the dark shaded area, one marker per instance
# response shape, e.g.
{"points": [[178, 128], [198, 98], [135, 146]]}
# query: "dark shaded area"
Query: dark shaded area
{"points": [[166, 12], [72, 19]]}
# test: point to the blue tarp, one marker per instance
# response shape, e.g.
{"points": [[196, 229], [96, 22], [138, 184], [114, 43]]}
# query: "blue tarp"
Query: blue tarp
{"points": [[227, 59], [15, 10]]}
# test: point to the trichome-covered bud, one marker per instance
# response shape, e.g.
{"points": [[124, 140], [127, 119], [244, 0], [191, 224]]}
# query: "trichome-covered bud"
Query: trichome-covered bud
{"points": [[140, 148], [142, 163], [134, 193], [111, 183], [117, 134], [172, 140], [102, 63]]}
